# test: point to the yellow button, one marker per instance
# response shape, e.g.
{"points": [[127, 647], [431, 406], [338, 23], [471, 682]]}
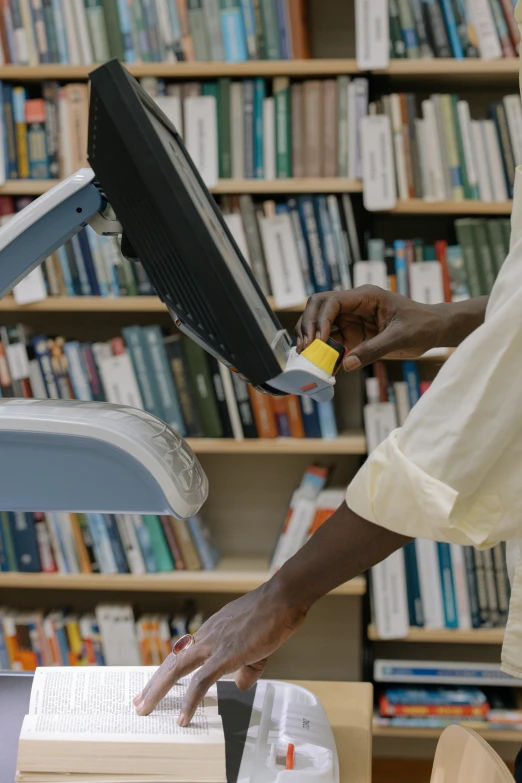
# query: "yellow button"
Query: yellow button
{"points": [[322, 355]]}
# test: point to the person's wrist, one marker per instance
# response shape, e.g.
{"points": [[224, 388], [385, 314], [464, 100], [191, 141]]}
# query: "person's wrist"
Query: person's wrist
{"points": [[288, 587], [457, 320]]}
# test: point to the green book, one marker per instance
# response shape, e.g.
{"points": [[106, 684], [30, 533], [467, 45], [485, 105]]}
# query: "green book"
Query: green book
{"points": [[271, 29], [143, 369], [97, 30], [8, 542], [464, 231], [112, 24], [450, 135], [144, 50], [199, 31], [211, 88], [260, 31], [429, 253], [485, 255], [160, 548], [201, 382], [397, 48], [496, 243], [224, 130], [506, 232], [469, 191], [342, 110], [283, 134]]}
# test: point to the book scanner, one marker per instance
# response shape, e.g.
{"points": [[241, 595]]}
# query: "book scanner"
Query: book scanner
{"points": [[120, 460]]}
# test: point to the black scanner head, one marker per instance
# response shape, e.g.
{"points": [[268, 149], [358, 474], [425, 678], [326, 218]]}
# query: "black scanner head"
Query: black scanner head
{"points": [[173, 226]]}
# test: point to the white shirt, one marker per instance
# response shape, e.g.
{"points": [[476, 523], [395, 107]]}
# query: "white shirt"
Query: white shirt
{"points": [[453, 472]]}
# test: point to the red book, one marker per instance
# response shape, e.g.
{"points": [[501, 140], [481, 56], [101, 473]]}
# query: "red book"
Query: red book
{"points": [[441, 249], [299, 29], [264, 414], [509, 13], [382, 376], [295, 417], [442, 710], [118, 346], [424, 386]]}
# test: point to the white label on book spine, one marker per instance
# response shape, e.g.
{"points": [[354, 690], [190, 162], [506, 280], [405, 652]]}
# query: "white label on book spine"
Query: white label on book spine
{"points": [[31, 288], [426, 284], [282, 260], [370, 273], [202, 137], [379, 191], [481, 16], [372, 34]]}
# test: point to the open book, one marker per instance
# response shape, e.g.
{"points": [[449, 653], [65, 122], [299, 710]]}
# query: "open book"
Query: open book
{"points": [[82, 726]]}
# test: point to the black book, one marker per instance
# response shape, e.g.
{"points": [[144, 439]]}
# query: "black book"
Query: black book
{"points": [[186, 394], [219, 390]]}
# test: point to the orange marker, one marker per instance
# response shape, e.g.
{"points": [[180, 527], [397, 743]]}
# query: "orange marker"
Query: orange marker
{"points": [[290, 757]]}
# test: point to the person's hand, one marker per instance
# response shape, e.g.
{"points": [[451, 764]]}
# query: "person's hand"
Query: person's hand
{"points": [[239, 638], [373, 323]]}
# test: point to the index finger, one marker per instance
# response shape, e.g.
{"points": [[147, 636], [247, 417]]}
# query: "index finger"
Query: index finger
{"points": [[173, 668], [306, 326]]}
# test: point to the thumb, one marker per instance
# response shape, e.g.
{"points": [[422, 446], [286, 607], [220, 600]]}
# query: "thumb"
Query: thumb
{"points": [[389, 340], [247, 676]]}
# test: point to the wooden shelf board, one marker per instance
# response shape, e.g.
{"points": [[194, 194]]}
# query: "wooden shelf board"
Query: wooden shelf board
{"points": [[411, 69], [468, 207], [350, 443], [28, 187], [458, 69], [234, 575], [446, 636], [399, 732]]}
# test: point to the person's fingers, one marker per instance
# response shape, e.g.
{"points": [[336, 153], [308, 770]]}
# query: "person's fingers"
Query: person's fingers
{"points": [[389, 340], [173, 668], [247, 676], [306, 327], [204, 679], [326, 316]]}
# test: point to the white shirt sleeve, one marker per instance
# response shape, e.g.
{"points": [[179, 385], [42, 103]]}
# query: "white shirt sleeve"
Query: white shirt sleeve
{"points": [[450, 472]]}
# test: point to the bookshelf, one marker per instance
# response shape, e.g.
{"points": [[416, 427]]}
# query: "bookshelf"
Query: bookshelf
{"points": [[446, 636], [490, 735], [234, 575], [350, 443]]}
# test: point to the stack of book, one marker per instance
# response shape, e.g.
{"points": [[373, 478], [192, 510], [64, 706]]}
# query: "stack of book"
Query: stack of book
{"points": [[310, 506], [170, 377], [84, 32], [440, 271], [108, 636], [441, 153], [104, 543], [436, 707], [445, 28]]}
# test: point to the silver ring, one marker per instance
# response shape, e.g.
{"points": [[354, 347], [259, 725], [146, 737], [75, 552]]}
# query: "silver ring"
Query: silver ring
{"points": [[182, 644]]}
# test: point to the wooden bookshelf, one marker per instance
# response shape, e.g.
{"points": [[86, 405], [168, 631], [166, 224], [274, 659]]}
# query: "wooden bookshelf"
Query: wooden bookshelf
{"points": [[234, 575], [445, 636], [350, 443], [491, 735], [465, 70], [417, 206]]}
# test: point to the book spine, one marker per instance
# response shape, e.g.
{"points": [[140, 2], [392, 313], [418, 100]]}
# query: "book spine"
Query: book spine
{"points": [[249, 21], [224, 134], [137, 348], [448, 589], [270, 27], [190, 554], [145, 543], [162, 556], [413, 586], [101, 542], [453, 32], [409, 31], [206, 547], [249, 133], [500, 119], [422, 32], [213, 24], [168, 394], [172, 541], [397, 47], [126, 29], [130, 545], [259, 98], [436, 26], [244, 407], [465, 238], [508, 50], [283, 140], [264, 416], [25, 542], [219, 393], [514, 32], [482, 592]]}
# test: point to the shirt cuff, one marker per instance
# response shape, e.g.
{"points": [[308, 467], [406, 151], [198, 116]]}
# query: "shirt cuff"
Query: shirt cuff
{"points": [[394, 493]]}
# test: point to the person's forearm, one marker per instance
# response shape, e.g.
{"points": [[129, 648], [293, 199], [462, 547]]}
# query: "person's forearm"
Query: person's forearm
{"points": [[344, 547], [460, 319]]}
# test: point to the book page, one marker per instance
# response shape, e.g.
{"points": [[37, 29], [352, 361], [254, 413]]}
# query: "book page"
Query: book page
{"points": [[106, 691]]}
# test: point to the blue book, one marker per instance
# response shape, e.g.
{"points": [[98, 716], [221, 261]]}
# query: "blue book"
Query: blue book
{"points": [[63, 260], [451, 27], [4, 140], [327, 240], [5, 663], [116, 545], [63, 642], [77, 371], [42, 353], [61, 35], [23, 533], [4, 560], [448, 588], [319, 272], [204, 542], [410, 374], [471, 579], [283, 25], [411, 41], [85, 287], [101, 543], [145, 544], [50, 31], [249, 21], [401, 267], [126, 31], [233, 31], [167, 391], [151, 22], [259, 97], [310, 415], [143, 369], [38, 20], [85, 249], [413, 586], [11, 160], [469, 697], [327, 422], [175, 27]]}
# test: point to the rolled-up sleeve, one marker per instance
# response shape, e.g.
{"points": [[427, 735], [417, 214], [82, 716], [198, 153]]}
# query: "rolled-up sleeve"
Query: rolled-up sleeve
{"points": [[449, 472]]}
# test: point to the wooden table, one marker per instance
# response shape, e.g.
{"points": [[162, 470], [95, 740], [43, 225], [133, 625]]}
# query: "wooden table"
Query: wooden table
{"points": [[349, 706]]}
